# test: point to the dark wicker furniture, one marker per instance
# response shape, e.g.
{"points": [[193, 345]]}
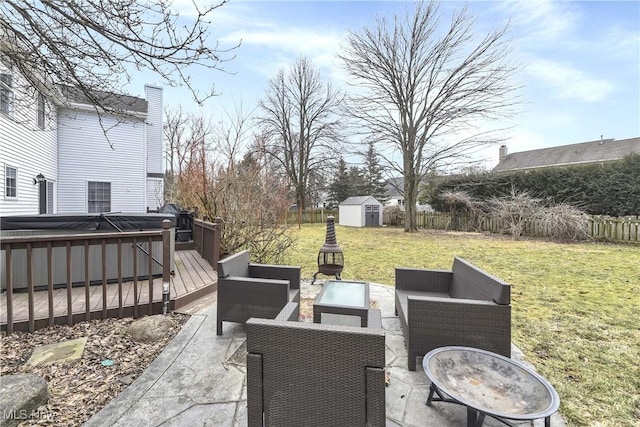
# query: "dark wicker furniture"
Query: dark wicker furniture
{"points": [[309, 374], [465, 306], [343, 298], [248, 290]]}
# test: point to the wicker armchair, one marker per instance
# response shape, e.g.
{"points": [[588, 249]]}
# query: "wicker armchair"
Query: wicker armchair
{"points": [[310, 374], [465, 306], [248, 290]]}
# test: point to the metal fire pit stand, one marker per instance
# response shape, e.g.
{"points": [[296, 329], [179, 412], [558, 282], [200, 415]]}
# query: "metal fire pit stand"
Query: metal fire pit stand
{"points": [[330, 257], [488, 384]]}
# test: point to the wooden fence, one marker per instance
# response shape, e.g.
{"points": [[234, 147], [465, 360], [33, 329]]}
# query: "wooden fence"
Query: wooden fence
{"points": [[625, 229], [311, 216], [35, 262]]}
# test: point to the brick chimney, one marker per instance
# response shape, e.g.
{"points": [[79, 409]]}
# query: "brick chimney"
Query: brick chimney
{"points": [[503, 152]]}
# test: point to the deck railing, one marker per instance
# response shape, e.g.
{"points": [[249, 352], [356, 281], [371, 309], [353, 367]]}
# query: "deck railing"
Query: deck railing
{"points": [[206, 237], [87, 257]]}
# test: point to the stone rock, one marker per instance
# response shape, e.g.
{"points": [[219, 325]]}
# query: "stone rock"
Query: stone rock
{"points": [[58, 352], [150, 329], [126, 380], [20, 396]]}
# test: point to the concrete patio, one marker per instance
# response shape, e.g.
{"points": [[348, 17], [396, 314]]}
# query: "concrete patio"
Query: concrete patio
{"points": [[200, 379]]}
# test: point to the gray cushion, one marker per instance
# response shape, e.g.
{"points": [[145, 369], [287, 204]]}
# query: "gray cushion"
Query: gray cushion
{"points": [[402, 296], [470, 282], [234, 265]]}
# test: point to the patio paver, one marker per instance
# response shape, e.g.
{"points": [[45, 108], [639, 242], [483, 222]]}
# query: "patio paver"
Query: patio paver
{"points": [[195, 381]]}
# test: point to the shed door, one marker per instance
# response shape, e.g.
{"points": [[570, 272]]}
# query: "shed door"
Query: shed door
{"points": [[372, 215]]}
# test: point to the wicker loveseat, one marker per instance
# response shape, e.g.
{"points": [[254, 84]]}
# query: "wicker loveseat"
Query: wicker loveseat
{"points": [[309, 374], [248, 290], [465, 306]]}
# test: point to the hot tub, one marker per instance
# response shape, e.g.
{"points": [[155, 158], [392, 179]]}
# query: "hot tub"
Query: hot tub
{"points": [[49, 225]]}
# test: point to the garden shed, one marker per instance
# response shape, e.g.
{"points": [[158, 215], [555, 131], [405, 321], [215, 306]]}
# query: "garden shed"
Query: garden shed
{"points": [[360, 211]]}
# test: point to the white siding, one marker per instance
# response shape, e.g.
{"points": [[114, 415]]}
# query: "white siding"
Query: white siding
{"points": [[85, 155], [155, 166], [350, 215], [29, 149], [154, 129], [155, 196]]}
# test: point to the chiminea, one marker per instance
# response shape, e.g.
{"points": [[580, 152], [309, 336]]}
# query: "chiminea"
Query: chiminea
{"points": [[330, 258]]}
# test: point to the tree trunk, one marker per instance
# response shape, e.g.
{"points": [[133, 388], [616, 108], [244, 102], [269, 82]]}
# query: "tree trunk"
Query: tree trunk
{"points": [[410, 198]]}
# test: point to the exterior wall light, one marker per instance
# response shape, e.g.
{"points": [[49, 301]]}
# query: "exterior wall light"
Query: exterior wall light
{"points": [[39, 179]]}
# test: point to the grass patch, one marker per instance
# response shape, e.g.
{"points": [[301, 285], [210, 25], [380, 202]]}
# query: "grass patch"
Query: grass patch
{"points": [[575, 306]]}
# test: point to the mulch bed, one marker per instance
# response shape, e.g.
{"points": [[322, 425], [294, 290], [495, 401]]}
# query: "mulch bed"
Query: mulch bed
{"points": [[78, 389]]}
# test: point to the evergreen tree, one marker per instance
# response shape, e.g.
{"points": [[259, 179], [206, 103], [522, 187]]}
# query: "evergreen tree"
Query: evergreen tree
{"points": [[339, 189], [374, 183], [357, 183]]}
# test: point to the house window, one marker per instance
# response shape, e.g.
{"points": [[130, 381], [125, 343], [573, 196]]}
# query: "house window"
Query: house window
{"points": [[6, 93], [99, 197], [41, 114], [10, 182]]}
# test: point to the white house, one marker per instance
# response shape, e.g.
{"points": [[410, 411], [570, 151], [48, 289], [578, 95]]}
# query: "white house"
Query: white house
{"points": [[360, 211], [62, 157], [396, 197]]}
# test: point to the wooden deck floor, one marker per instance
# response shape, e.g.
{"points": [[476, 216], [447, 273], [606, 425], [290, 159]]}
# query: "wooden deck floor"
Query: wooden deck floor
{"points": [[193, 277]]}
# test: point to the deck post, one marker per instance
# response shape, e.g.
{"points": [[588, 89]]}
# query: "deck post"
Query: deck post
{"points": [[166, 264], [217, 234]]}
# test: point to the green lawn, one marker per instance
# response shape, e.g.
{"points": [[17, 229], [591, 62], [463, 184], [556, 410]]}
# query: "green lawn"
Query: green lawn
{"points": [[576, 306]]}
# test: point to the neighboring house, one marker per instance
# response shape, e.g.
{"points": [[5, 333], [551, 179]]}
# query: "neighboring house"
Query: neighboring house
{"points": [[599, 151], [396, 197], [360, 211], [394, 187], [60, 156]]}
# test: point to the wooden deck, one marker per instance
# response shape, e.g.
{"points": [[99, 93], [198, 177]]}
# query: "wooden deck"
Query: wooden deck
{"points": [[193, 277]]}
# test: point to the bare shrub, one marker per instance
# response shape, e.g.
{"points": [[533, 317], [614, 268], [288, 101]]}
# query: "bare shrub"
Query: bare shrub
{"points": [[253, 212], [563, 221], [461, 202], [515, 211], [392, 215]]}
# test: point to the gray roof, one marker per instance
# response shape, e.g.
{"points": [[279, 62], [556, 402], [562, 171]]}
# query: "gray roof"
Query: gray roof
{"points": [[111, 100], [585, 152], [392, 185], [359, 200]]}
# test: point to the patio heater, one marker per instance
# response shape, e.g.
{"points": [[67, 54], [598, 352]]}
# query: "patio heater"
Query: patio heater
{"points": [[330, 258]]}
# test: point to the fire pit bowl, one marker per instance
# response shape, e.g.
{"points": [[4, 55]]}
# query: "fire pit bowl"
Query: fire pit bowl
{"points": [[489, 383]]}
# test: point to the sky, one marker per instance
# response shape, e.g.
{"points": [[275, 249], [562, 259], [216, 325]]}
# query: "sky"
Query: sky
{"points": [[580, 60]]}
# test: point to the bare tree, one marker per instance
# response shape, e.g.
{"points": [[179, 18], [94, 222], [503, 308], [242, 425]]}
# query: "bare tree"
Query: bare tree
{"points": [[224, 174], [423, 84], [95, 46], [301, 124], [187, 142]]}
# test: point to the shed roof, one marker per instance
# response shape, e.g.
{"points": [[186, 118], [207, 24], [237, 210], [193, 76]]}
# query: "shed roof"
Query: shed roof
{"points": [[359, 200], [585, 152]]}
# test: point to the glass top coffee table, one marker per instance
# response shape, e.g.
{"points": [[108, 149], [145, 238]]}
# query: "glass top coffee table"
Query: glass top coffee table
{"points": [[342, 302], [488, 384]]}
